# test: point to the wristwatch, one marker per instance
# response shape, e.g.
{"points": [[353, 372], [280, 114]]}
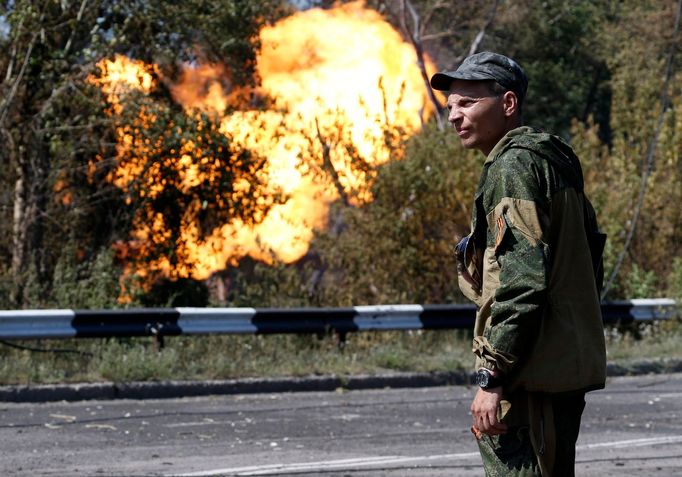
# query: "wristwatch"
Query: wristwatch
{"points": [[485, 379]]}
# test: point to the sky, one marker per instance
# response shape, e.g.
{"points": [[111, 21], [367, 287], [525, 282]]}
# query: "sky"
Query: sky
{"points": [[4, 27]]}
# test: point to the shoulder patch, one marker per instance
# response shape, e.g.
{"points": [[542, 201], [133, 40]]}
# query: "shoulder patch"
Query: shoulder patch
{"points": [[501, 229], [519, 214]]}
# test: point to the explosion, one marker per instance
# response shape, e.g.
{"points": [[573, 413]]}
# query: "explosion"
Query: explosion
{"points": [[338, 80]]}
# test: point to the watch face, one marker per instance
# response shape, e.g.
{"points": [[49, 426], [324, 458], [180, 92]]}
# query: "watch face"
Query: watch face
{"points": [[482, 379]]}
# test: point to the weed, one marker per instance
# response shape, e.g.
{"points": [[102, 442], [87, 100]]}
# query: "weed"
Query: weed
{"points": [[241, 356]]}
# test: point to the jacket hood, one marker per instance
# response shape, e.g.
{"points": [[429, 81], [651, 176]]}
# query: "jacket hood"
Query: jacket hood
{"points": [[548, 146]]}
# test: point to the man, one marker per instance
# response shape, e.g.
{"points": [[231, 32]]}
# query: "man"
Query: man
{"points": [[532, 265]]}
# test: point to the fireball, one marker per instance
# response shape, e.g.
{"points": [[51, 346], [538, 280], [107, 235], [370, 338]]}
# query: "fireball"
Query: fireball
{"points": [[338, 81]]}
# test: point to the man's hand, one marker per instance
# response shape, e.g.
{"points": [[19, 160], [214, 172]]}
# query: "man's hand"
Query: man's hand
{"points": [[484, 411]]}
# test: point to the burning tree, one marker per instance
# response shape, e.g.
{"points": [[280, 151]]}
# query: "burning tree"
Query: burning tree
{"points": [[52, 121], [325, 117], [180, 160], [178, 172]]}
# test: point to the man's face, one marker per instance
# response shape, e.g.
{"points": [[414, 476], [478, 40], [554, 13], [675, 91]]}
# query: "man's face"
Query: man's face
{"points": [[477, 115]]}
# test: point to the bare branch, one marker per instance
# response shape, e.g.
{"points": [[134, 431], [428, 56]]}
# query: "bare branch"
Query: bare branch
{"points": [[56, 93], [13, 56], [429, 15], [10, 144], [82, 127], [329, 166], [75, 26], [7, 101], [442, 34], [406, 5], [4, 107], [481, 34]]}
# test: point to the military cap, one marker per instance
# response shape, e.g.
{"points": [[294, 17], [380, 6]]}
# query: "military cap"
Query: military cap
{"points": [[485, 66]]}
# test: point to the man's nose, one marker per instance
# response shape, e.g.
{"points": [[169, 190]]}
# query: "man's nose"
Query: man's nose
{"points": [[454, 115]]}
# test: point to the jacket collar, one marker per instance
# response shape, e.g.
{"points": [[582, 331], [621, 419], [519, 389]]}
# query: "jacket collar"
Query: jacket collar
{"points": [[505, 141]]}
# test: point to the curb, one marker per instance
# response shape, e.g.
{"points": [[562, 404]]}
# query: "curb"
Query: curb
{"points": [[646, 366], [178, 389]]}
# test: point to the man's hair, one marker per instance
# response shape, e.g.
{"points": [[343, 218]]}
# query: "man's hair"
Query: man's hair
{"points": [[498, 90]]}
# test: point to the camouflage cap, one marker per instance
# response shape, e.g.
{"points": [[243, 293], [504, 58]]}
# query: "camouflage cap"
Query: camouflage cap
{"points": [[486, 66]]}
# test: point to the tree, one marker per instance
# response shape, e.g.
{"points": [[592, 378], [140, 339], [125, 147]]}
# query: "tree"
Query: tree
{"points": [[398, 248], [636, 180], [440, 31], [557, 44], [53, 122]]}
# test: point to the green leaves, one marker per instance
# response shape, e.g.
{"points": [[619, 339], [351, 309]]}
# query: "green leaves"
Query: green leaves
{"points": [[398, 248], [62, 140], [557, 43]]}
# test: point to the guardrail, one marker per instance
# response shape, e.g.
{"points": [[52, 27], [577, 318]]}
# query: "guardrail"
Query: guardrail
{"points": [[160, 322]]}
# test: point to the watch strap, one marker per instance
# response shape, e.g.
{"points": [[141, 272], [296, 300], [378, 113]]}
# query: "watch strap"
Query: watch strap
{"points": [[486, 380]]}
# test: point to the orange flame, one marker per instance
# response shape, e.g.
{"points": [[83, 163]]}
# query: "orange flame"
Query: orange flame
{"points": [[337, 79]]}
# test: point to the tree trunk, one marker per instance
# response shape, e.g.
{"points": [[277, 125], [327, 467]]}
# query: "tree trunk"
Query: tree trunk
{"points": [[29, 213], [19, 224]]}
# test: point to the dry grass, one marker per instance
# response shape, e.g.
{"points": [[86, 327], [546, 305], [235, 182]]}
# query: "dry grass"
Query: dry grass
{"points": [[234, 356], [229, 356]]}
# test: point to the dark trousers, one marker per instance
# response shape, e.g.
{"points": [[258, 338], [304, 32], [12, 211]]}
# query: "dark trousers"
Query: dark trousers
{"points": [[512, 454]]}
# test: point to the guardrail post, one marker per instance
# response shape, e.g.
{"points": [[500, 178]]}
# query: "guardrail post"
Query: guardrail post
{"points": [[341, 335], [156, 330]]}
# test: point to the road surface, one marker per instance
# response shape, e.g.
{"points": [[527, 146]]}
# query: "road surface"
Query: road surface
{"points": [[632, 428]]}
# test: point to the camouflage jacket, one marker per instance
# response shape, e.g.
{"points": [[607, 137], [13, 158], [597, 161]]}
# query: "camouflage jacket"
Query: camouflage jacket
{"points": [[528, 267]]}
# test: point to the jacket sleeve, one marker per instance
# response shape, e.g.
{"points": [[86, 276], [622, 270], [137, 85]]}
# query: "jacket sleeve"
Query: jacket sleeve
{"points": [[516, 218]]}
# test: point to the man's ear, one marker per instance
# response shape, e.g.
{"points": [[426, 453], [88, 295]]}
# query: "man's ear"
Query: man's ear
{"points": [[510, 103]]}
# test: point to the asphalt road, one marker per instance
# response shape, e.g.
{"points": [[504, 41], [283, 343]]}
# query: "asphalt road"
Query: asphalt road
{"points": [[632, 428]]}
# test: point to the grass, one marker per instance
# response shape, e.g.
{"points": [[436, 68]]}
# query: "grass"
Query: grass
{"points": [[658, 340], [239, 356]]}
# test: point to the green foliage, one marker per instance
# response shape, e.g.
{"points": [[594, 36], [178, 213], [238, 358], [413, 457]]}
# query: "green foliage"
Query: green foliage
{"points": [[659, 340], [239, 356], [277, 285], [557, 43], [613, 174], [595, 72], [398, 247], [172, 293], [77, 282], [641, 284], [189, 177], [675, 280], [206, 31], [132, 360], [585, 63], [88, 284], [55, 124], [231, 356]]}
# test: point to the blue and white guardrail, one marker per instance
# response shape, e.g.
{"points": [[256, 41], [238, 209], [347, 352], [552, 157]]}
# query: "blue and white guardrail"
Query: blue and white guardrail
{"points": [[38, 324]]}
